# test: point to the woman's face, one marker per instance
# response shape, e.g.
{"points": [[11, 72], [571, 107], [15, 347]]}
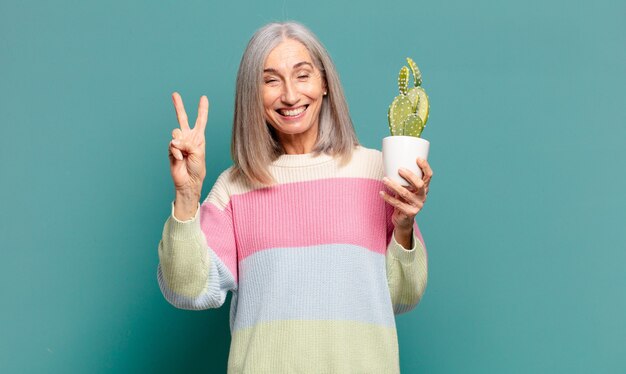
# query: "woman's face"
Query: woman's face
{"points": [[293, 90]]}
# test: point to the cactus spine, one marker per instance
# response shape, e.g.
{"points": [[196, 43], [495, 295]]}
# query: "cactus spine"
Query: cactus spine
{"points": [[408, 113]]}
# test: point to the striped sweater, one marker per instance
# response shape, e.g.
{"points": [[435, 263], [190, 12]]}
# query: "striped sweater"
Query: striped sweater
{"points": [[315, 273]]}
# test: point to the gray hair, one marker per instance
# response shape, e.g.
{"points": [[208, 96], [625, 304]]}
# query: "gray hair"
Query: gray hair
{"points": [[254, 143]]}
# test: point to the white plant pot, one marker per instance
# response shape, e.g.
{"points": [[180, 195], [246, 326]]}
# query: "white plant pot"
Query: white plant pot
{"points": [[402, 152]]}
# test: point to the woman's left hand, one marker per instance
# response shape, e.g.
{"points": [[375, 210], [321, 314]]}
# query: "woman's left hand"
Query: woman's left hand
{"points": [[409, 200]]}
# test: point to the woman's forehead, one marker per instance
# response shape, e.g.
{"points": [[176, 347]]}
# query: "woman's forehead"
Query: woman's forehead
{"points": [[289, 54]]}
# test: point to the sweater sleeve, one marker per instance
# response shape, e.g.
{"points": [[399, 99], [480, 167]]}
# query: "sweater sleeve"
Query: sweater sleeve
{"points": [[407, 270], [198, 257]]}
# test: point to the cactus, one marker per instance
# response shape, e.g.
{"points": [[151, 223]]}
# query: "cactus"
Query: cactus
{"points": [[413, 125], [403, 80], [417, 76], [408, 113]]}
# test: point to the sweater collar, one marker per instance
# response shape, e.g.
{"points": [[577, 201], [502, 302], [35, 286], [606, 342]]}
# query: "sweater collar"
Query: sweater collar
{"points": [[301, 160]]}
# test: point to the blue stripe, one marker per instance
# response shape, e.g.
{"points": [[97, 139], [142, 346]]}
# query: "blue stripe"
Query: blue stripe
{"points": [[323, 282]]}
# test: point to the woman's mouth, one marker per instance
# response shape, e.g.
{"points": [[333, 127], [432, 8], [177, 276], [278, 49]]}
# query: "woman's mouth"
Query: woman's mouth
{"points": [[292, 113]]}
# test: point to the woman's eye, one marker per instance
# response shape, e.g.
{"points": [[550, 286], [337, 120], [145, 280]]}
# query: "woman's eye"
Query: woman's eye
{"points": [[270, 80], [303, 76]]}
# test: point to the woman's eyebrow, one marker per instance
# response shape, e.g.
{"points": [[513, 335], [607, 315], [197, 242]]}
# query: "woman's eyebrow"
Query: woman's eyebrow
{"points": [[301, 63]]}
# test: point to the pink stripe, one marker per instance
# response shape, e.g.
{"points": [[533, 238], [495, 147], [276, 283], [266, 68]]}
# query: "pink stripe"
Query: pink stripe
{"points": [[311, 213], [217, 227]]}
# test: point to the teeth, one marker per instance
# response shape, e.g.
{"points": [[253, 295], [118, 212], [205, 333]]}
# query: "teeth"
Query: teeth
{"points": [[292, 113]]}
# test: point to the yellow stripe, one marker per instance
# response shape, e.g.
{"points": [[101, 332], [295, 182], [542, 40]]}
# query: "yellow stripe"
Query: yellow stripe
{"points": [[183, 257], [407, 273], [314, 347]]}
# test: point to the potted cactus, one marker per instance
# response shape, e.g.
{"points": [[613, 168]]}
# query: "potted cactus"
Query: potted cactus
{"points": [[407, 117]]}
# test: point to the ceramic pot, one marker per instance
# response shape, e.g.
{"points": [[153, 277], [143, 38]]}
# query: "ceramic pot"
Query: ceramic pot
{"points": [[402, 152]]}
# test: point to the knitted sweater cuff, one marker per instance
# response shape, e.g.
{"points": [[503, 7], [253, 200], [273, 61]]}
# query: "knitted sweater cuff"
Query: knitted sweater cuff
{"points": [[405, 255], [183, 230]]}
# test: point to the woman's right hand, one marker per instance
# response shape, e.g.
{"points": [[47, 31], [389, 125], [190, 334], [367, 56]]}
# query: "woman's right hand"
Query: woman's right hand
{"points": [[187, 152]]}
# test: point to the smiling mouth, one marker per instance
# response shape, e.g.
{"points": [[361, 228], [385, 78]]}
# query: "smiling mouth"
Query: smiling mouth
{"points": [[292, 113]]}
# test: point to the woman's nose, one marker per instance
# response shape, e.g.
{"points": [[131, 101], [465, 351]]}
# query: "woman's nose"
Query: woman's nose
{"points": [[290, 93]]}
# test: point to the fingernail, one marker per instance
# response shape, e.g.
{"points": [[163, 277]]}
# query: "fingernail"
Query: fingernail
{"points": [[176, 141]]}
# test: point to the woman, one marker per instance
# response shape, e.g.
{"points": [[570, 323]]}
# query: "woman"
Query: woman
{"points": [[317, 262]]}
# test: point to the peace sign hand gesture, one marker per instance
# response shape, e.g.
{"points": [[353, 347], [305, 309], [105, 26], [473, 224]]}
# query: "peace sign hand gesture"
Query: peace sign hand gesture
{"points": [[187, 151]]}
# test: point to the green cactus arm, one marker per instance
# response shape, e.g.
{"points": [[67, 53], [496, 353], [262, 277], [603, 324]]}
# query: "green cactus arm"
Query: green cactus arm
{"points": [[399, 109], [417, 75], [412, 94], [413, 125], [403, 80], [423, 106], [394, 126], [392, 129]]}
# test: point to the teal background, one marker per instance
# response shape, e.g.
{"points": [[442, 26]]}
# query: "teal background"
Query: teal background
{"points": [[524, 223]]}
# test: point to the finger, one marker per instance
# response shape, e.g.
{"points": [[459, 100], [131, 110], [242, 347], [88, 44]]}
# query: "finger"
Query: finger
{"points": [[177, 133], [407, 195], [426, 170], [203, 113], [180, 111], [175, 152], [184, 145], [421, 188], [178, 154], [412, 178], [421, 193], [407, 209]]}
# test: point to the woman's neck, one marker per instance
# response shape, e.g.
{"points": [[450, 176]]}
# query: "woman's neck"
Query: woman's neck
{"points": [[298, 145]]}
